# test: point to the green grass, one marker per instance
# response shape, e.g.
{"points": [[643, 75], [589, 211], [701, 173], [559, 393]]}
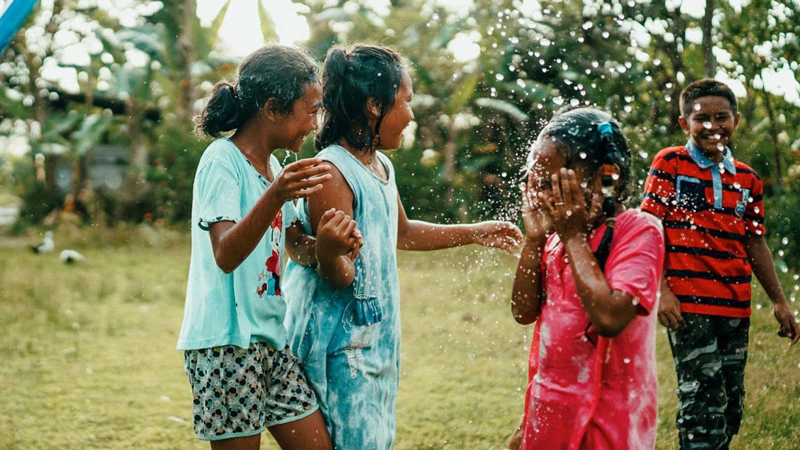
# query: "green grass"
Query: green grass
{"points": [[89, 361]]}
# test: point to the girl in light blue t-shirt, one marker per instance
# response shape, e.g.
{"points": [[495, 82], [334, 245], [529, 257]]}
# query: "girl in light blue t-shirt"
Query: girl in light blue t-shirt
{"points": [[244, 377]]}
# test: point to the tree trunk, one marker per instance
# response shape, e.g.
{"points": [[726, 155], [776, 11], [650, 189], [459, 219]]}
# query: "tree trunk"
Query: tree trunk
{"points": [[710, 68], [187, 57], [773, 135]]}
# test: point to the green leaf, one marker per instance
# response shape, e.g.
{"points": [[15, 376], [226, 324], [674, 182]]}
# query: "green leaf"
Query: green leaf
{"points": [[91, 130], [267, 26], [504, 107], [462, 94]]}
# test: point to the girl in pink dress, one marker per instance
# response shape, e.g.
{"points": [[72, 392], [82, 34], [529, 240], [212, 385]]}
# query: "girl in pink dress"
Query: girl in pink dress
{"points": [[588, 276]]}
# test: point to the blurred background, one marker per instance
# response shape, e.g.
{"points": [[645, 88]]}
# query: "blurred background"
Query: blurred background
{"points": [[97, 96]]}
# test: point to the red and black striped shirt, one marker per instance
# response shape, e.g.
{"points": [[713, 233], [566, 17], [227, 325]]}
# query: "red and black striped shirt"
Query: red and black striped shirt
{"points": [[706, 216]]}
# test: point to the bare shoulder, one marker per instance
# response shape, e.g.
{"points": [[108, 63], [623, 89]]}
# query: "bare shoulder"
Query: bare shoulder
{"points": [[335, 193]]}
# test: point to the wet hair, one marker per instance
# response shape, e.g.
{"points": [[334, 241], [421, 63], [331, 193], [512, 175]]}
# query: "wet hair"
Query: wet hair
{"points": [[704, 88], [591, 138], [350, 78], [273, 71]]}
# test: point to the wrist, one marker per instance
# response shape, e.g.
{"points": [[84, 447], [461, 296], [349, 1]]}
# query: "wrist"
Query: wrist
{"points": [[535, 241], [576, 237]]}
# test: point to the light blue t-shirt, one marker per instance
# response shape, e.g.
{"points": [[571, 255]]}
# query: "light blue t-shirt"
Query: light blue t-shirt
{"points": [[245, 305]]}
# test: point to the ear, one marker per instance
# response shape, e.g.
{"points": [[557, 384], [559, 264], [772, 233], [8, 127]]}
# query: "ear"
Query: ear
{"points": [[270, 110], [684, 124], [736, 121], [373, 108]]}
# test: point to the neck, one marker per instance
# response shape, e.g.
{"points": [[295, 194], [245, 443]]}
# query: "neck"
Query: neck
{"points": [[255, 143], [366, 156]]}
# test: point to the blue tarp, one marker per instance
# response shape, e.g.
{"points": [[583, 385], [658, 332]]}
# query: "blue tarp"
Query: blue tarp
{"points": [[12, 18]]}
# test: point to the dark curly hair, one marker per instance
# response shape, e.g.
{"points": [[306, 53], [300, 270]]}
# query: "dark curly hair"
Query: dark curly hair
{"points": [[273, 71], [350, 78]]}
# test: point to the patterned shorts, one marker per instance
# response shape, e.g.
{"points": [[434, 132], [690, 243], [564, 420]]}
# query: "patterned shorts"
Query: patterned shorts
{"points": [[240, 392]]}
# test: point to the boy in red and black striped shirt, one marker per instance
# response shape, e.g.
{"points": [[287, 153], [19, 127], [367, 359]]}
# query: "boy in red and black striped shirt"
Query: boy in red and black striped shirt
{"points": [[713, 215]]}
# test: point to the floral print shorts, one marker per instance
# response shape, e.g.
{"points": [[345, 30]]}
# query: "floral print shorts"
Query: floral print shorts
{"points": [[240, 392]]}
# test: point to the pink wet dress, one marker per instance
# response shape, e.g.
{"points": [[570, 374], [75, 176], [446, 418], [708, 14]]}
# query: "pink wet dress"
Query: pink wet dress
{"points": [[586, 391]]}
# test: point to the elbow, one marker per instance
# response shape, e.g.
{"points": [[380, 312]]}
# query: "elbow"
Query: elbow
{"points": [[609, 327], [223, 264], [524, 320]]}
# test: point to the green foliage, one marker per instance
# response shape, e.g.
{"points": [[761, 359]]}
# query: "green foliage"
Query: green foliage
{"points": [[171, 176]]}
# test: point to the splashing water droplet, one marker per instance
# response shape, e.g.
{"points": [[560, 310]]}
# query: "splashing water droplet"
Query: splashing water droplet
{"points": [[615, 176], [568, 213], [785, 240], [626, 360], [582, 155], [697, 106], [707, 125], [643, 154]]}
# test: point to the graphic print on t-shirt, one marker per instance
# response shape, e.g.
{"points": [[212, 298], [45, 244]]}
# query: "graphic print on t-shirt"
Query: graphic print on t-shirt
{"points": [[269, 278]]}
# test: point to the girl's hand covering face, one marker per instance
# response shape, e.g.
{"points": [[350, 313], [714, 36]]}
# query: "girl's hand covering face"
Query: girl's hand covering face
{"points": [[537, 223], [567, 206]]}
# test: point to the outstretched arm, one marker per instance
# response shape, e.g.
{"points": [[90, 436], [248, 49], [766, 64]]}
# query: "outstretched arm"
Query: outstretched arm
{"points": [[761, 261], [419, 235]]}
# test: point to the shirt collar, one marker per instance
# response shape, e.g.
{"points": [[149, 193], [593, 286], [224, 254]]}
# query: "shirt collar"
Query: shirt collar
{"points": [[704, 163]]}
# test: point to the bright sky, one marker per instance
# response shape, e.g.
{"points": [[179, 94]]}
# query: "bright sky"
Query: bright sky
{"points": [[240, 32]]}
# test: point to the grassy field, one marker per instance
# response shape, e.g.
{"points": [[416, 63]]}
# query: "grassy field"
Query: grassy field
{"points": [[89, 361]]}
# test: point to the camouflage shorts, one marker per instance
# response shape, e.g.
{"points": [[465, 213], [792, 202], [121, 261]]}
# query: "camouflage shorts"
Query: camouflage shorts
{"points": [[710, 356]]}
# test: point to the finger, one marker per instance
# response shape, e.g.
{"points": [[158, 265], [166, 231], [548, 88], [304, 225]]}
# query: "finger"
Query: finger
{"points": [[351, 225], [300, 164], [342, 226], [575, 190], [662, 319], [515, 233], [328, 215], [793, 330], [307, 192], [334, 221], [679, 319], [526, 203], [547, 204], [555, 185], [307, 172], [309, 182], [566, 191]]}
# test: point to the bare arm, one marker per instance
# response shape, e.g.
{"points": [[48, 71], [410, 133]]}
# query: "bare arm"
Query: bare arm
{"points": [[526, 295], [609, 310], [669, 307], [335, 202], [301, 247], [760, 258], [233, 242], [419, 235]]}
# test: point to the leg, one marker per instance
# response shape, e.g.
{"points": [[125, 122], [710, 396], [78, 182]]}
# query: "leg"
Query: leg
{"points": [[734, 334], [515, 440], [701, 387], [308, 433], [242, 443]]}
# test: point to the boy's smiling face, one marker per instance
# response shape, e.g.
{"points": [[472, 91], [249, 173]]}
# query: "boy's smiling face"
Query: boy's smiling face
{"points": [[710, 125]]}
